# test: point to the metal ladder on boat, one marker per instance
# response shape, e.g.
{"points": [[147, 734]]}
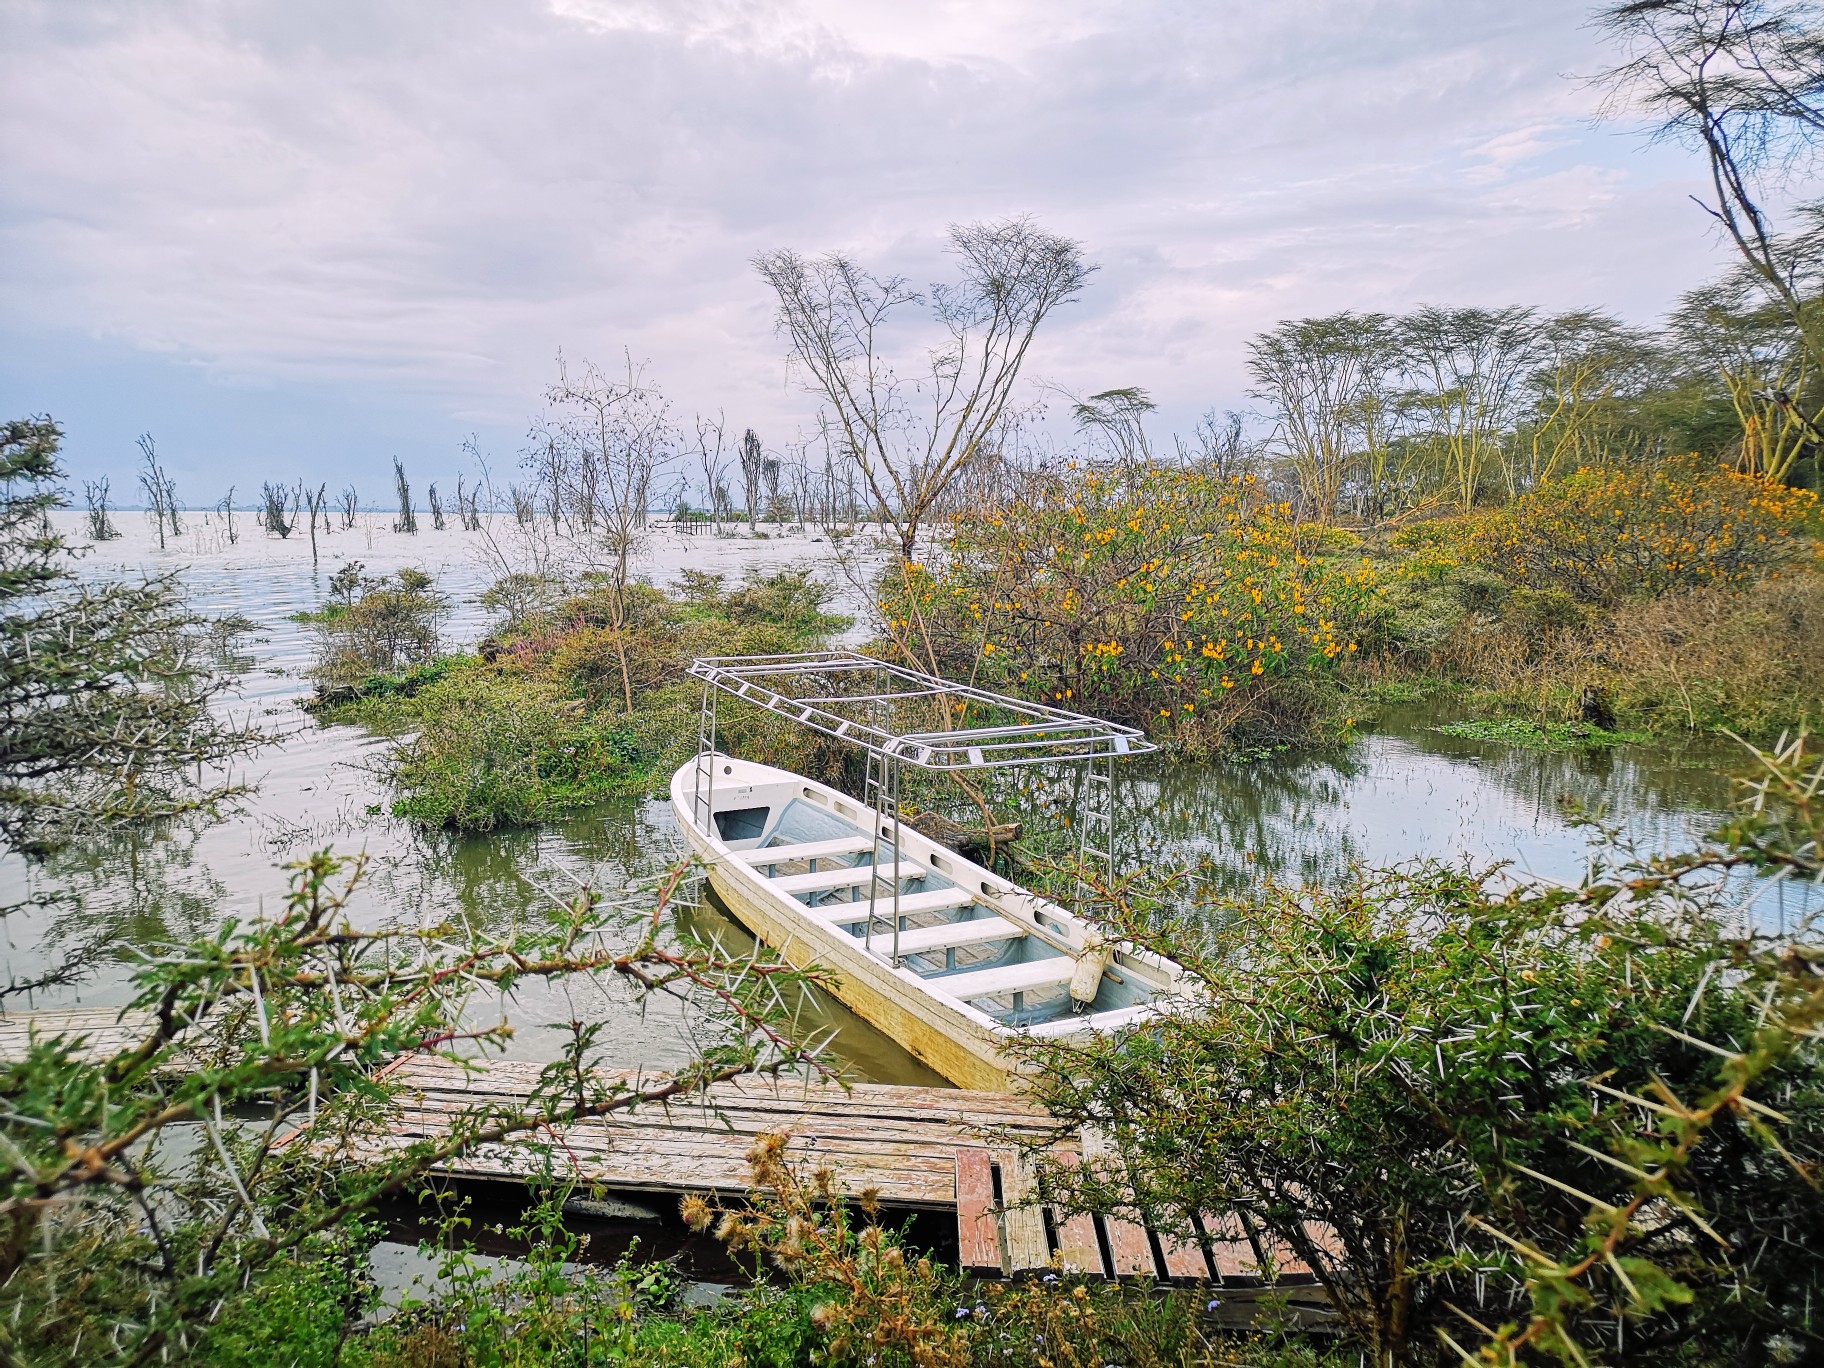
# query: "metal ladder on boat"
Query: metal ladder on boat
{"points": [[882, 795], [1095, 828]]}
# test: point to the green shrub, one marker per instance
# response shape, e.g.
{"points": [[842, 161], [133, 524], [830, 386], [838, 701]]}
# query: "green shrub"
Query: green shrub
{"points": [[493, 748], [1165, 598], [1604, 535]]}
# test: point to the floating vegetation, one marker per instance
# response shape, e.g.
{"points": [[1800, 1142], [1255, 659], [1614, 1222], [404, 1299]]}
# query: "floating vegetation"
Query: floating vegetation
{"points": [[1545, 736]]}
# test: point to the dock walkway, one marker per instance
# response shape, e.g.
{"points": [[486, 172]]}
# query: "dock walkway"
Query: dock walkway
{"points": [[932, 1149], [946, 1151]]}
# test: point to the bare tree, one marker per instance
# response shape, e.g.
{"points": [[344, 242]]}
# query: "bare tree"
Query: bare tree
{"points": [[909, 437], [351, 505], [436, 504], [275, 509], [160, 488], [712, 459], [101, 526], [753, 464], [1743, 81], [317, 505], [1219, 445], [525, 504], [600, 444], [226, 509], [407, 520]]}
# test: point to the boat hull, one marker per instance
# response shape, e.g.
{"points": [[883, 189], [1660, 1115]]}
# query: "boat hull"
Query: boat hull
{"points": [[960, 1042]]}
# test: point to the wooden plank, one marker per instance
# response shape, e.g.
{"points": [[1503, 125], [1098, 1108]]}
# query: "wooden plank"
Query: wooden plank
{"points": [[978, 1237], [854, 876], [1129, 1249], [807, 850], [950, 935], [1184, 1261], [1078, 1244], [1027, 1248], [1231, 1254], [910, 905], [1007, 978]]}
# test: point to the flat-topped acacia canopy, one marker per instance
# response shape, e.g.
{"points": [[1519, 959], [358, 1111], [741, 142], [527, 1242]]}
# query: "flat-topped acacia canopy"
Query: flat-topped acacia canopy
{"points": [[915, 718]]}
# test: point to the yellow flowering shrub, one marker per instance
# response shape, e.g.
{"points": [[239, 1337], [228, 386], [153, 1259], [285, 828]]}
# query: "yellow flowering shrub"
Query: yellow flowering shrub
{"points": [[1166, 597], [1605, 534]]}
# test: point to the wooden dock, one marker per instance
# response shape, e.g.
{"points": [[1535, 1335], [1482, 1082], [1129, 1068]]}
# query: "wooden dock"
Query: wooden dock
{"points": [[943, 1150], [105, 1031], [948, 1153]]}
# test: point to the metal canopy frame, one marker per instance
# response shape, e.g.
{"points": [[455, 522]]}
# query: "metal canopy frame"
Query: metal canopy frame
{"points": [[901, 716], [852, 697]]}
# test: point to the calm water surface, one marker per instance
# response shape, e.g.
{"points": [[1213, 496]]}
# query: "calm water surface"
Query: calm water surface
{"points": [[1404, 791]]}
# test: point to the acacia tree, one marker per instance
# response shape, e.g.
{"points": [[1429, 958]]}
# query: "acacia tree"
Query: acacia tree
{"points": [[909, 435], [240, 1135], [1743, 81], [105, 685], [1325, 378]]}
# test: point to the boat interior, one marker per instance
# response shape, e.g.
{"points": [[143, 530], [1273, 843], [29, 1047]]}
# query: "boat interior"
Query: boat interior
{"points": [[1006, 953]]}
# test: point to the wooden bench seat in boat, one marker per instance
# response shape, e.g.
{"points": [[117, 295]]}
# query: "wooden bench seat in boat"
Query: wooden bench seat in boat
{"points": [[910, 904], [949, 935], [807, 850], [850, 876], [1006, 978]]}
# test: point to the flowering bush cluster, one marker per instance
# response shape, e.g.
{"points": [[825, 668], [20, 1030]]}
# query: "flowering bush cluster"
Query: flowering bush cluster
{"points": [[1165, 597], [1604, 534]]}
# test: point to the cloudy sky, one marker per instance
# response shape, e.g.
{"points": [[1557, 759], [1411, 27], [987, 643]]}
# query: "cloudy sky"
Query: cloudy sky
{"points": [[292, 238]]}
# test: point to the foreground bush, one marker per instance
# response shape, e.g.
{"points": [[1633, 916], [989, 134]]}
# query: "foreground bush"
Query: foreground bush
{"points": [[1585, 1124], [1166, 597], [1608, 534]]}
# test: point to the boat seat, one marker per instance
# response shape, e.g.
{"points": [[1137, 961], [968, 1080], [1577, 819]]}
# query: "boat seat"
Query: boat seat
{"points": [[1006, 978], [921, 940], [807, 850], [850, 876], [910, 904]]}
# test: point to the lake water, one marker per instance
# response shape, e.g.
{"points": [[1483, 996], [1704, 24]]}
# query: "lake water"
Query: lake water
{"points": [[1402, 792]]}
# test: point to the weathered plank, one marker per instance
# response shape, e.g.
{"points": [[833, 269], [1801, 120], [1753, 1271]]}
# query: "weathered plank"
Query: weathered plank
{"points": [[1027, 1248], [104, 1031], [978, 1234]]}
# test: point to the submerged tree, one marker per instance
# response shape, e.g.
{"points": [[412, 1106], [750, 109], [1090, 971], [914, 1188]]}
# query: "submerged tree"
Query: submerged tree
{"points": [[160, 490], [101, 525], [105, 686], [351, 505], [435, 500], [910, 436], [275, 509], [407, 520]]}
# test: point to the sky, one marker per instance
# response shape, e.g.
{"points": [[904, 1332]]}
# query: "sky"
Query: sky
{"points": [[301, 239]]}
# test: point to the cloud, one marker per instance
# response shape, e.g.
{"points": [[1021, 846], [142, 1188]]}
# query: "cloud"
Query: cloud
{"points": [[428, 200]]}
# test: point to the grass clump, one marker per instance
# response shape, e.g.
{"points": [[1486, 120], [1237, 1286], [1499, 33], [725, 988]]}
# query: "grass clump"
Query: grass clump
{"points": [[535, 723]]}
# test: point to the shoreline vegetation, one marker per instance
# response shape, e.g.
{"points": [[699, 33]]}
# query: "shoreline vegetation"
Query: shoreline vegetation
{"points": [[1607, 607]]}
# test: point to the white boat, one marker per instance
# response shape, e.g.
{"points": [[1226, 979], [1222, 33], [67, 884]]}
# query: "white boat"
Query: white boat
{"points": [[936, 951]]}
